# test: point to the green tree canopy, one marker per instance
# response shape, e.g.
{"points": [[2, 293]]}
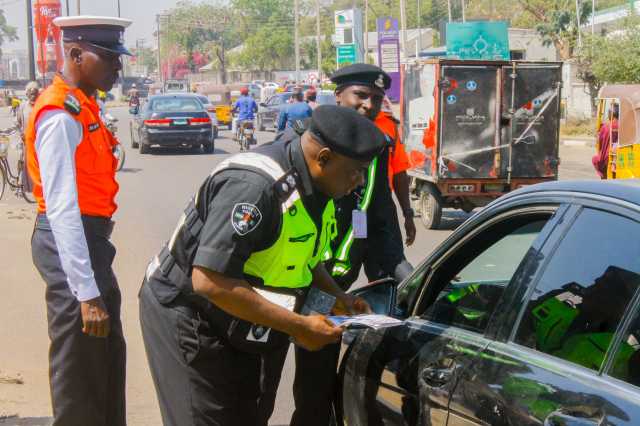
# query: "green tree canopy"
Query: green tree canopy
{"points": [[7, 32]]}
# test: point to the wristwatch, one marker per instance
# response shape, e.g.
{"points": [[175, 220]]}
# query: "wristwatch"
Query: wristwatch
{"points": [[408, 213]]}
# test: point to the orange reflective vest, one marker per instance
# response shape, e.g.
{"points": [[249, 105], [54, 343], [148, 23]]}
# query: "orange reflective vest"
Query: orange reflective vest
{"points": [[398, 159], [95, 163]]}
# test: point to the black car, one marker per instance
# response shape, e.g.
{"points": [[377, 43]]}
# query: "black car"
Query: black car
{"points": [[528, 314], [268, 112], [172, 120]]}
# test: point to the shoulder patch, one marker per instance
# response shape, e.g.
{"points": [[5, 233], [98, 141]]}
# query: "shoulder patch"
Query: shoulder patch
{"points": [[72, 104], [245, 217], [94, 126]]}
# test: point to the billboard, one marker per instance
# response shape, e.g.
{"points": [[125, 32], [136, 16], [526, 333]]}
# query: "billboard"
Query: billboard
{"points": [[349, 31], [49, 47], [389, 53], [346, 54], [487, 40]]}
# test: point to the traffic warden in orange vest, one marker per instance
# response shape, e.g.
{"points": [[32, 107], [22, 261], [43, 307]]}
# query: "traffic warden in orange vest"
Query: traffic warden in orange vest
{"points": [[69, 158]]}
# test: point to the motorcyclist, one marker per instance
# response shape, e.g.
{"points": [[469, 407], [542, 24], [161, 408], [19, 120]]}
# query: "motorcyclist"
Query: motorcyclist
{"points": [[246, 108], [134, 97]]}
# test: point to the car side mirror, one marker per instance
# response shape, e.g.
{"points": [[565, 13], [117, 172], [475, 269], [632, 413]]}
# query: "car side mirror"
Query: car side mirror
{"points": [[380, 295]]}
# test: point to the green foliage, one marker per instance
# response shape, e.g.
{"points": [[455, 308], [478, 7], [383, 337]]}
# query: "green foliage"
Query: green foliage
{"points": [[7, 32], [269, 48]]}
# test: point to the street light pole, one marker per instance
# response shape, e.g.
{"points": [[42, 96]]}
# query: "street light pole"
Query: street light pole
{"points": [[77, 7], [296, 7], [464, 19], [158, 43], [449, 9], [67, 3], [366, 31], [403, 24], [32, 64], [118, 8]]}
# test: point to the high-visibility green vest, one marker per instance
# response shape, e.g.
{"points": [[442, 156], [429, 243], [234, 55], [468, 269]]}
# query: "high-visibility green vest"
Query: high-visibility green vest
{"points": [[300, 246]]}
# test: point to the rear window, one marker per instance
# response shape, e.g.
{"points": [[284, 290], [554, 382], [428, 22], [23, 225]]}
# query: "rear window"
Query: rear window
{"points": [[176, 104], [203, 99]]}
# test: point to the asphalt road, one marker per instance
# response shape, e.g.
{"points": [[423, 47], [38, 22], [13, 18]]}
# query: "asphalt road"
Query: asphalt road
{"points": [[154, 189]]}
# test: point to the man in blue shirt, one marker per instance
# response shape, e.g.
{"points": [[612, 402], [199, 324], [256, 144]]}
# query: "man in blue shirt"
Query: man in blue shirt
{"points": [[246, 107], [298, 110]]}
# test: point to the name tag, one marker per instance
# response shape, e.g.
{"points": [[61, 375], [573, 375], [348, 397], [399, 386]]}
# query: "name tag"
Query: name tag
{"points": [[359, 223], [93, 127], [284, 300]]}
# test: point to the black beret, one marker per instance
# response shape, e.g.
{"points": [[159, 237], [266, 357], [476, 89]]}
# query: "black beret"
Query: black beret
{"points": [[346, 132], [361, 75]]}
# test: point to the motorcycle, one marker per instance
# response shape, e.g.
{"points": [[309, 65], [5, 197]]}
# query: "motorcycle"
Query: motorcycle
{"points": [[118, 150], [246, 135]]}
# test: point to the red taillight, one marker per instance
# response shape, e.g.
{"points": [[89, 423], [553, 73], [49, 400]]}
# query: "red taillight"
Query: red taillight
{"points": [[199, 121], [158, 122]]}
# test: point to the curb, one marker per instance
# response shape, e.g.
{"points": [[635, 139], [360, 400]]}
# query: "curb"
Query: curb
{"points": [[578, 142]]}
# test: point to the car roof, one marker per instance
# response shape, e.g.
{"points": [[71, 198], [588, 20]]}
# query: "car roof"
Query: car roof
{"points": [[622, 189], [175, 95]]}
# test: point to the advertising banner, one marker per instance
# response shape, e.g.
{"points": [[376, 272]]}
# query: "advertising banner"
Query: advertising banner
{"points": [[389, 53], [488, 40], [49, 46]]}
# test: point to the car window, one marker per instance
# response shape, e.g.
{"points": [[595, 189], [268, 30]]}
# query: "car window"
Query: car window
{"points": [[471, 294], [329, 99], [581, 296], [176, 105]]}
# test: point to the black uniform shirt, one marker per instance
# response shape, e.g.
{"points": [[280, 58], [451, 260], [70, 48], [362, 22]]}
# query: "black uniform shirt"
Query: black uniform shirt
{"points": [[225, 248]]}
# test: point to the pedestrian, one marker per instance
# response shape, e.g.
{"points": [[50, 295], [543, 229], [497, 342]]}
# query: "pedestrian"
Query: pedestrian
{"points": [[294, 112], [607, 137], [32, 91], [72, 167], [226, 288], [378, 247], [310, 97]]}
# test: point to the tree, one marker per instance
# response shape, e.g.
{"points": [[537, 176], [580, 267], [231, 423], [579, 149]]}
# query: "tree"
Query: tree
{"points": [[612, 58], [557, 22], [7, 32]]}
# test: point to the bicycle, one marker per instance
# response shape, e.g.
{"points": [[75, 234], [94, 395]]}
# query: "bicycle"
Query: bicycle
{"points": [[17, 181]]}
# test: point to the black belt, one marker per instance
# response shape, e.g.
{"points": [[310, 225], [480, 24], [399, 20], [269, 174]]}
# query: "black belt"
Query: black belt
{"points": [[94, 225]]}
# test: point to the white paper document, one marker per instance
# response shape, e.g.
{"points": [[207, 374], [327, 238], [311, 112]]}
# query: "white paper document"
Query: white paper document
{"points": [[366, 320]]}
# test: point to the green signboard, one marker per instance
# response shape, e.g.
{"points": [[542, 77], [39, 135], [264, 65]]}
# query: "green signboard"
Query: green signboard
{"points": [[346, 54], [488, 40]]}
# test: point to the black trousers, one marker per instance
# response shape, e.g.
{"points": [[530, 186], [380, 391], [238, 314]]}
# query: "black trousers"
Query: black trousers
{"points": [[87, 374], [200, 379]]}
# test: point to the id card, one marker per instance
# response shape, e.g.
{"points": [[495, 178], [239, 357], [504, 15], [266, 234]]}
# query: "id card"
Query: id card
{"points": [[359, 223]]}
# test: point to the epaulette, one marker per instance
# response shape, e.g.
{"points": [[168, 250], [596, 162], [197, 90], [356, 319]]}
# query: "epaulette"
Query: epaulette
{"points": [[301, 126], [286, 185], [72, 104]]}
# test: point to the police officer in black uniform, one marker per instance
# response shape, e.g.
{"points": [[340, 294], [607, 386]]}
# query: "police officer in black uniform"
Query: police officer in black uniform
{"points": [[224, 291], [380, 248]]}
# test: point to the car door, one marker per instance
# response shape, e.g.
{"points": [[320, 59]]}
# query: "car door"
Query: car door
{"points": [[404, 375], [273, 109], [572, 355]]}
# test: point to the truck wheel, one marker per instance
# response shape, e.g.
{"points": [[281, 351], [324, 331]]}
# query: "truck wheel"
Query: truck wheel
{"points": [[430, 206]]}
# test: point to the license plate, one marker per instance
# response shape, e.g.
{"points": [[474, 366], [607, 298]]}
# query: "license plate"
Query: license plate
{"points": [[180, 122]]}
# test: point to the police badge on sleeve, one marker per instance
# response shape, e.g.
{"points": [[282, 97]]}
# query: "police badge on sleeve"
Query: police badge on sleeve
{"points": [[245, 217]]}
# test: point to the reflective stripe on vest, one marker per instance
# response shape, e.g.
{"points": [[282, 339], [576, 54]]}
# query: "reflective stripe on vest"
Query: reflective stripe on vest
{"points": [[342, 264], [94, 160]]}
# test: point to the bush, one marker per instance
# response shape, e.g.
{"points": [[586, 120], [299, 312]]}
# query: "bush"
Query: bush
{"points": [[576, 127]]}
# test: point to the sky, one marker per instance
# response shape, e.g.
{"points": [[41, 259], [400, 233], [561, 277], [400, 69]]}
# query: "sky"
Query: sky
{"points": [[141, 12]]}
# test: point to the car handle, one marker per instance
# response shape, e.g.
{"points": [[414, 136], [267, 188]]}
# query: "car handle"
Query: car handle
{"points": [[561, 418], [437, 377]]}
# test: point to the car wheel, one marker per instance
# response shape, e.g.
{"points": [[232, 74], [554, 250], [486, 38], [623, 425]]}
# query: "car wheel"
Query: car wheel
{"points": [[144, 148], [430, 206], [134, 144], [260, 124], [209, 147]]}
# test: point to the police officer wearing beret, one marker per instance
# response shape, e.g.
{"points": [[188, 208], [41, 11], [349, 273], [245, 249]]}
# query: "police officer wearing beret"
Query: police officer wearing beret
{"points": [[70, 161], [225, 289], [368, 235]]}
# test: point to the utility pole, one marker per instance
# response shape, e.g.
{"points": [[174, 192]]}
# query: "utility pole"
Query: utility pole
{"points": [[366, 31], [32, 64], [78, 7], [419, 40], [319, 41], [593, 17], [449, 9], [67, 2], [296, 11], [118, 8], [579, 23], [464, 19], [403, 24], [158, 42]]}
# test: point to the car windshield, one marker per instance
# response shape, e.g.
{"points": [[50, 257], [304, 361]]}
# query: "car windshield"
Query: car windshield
{"points": [[176, 104], [203, 99]]}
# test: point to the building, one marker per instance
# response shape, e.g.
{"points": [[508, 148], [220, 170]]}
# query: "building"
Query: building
{"points": [[14, 65]]}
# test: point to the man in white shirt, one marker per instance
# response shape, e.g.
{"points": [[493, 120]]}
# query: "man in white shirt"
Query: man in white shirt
{"points": [[70, 161]]}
